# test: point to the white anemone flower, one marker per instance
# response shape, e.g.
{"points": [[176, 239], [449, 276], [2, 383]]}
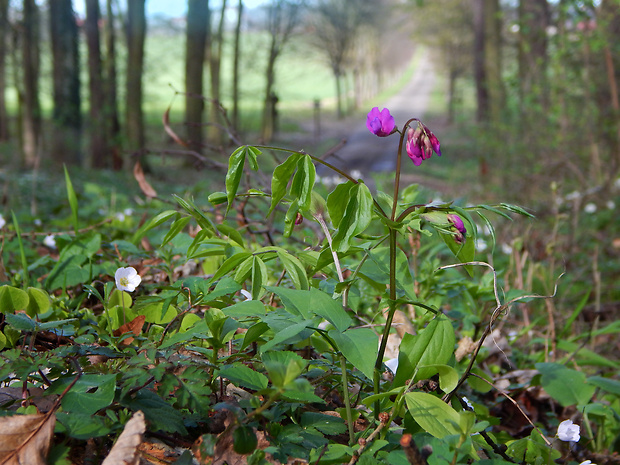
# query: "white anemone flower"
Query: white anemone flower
{"points": [[49, 241], [590, 208], [2, 221], [587, 462], [392, 364], [127, 279], [568, 431]]}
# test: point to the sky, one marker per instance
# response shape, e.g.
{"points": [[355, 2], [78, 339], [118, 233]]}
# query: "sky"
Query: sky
{"points": [[173, 9]]}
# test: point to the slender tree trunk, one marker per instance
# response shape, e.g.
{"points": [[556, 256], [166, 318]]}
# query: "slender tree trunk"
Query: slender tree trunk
{"points": [[136, 32], [493, 58], [67, 118], [482, 94], [236, 58], [195, 47], [110, 109], [532, 54], [99, 153], [215, 60], [4, 31], [30, 108], [268, 110]]}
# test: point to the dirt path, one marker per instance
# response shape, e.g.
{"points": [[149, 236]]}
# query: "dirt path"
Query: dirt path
{"points": [[368, 153]]}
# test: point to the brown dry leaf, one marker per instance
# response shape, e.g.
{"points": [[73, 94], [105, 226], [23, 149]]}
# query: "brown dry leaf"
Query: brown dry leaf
{"points": [[169, 131], [134, 326], [138, 173], [25, 439], [125, 450]]}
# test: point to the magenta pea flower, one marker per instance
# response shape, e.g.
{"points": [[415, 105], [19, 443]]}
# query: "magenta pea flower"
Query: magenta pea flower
{"points": [[380, 123], [458, 224], [421, 143]]}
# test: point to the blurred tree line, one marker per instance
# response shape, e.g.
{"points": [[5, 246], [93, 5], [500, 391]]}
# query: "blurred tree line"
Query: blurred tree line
{"points": [[111, 34], [545, 75]]}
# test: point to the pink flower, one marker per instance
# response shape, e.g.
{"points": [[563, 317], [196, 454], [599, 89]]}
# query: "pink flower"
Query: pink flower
{"points": [[421, 143], [461, 232], [381, 123]]}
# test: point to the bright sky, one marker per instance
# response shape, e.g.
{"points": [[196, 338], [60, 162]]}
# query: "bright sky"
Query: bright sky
{"points": [[168, 8]]}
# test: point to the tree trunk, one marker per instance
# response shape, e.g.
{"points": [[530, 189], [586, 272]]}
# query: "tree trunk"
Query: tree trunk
{"points": [[236, 58], [66, 119], [112, 123], [487, 59], [493, 58], [4, 28], [30, 109], [99, 152], [533, 22], [215, 60], [195, 47], [482, 94], [268, 110], [136, 32]]}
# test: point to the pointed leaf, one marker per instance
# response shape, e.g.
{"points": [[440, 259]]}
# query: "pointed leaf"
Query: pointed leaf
{"points": [[359, 346]]}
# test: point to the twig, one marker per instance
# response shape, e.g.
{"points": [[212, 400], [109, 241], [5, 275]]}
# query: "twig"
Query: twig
{"points": [[384, 418], [515, 403], [412, 452], [499, 309]]}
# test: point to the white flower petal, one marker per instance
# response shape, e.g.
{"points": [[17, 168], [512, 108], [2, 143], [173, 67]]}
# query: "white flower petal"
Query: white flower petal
{"points": [[568, 431]]}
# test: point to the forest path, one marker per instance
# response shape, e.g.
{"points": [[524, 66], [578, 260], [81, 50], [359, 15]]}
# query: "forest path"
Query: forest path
{"points": [[368, 153]]}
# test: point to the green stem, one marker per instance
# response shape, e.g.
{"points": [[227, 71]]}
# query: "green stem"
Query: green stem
{"points": [[347, 400], [392, 299]]}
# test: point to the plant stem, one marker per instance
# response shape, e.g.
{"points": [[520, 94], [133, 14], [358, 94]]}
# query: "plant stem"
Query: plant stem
{"points": [[392, 299], [347, 400]]}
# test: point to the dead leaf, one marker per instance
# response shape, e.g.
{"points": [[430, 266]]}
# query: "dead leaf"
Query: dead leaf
{"points": [[134, 326], [26, 439], [169, 131], [138, 173], [125, 450]]}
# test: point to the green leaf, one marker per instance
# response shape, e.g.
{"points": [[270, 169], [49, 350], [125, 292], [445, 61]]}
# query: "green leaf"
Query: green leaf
{"points": [[153, 313], [247, 308], [253, 333], [39, 301], [289, 332], [281, 177], [606, 384], [283, 367], [160, 414], [377, 269], [434, 416], [244, 376], [259, 276], [89, 394], [313, 302], [236, 163], [190, 207], [230, 264], [81, 425], [326, 424], [13, 299], [20, 321], [359, 346], [448, 376], [294, 268], [232, 234], [567, 386], [154, 222], [176, 227], [434, 345], [350, 207], [303, 182], [73, 203]]}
